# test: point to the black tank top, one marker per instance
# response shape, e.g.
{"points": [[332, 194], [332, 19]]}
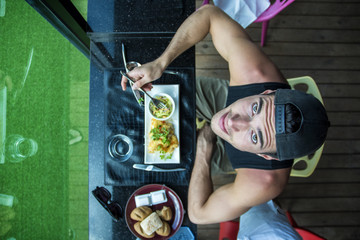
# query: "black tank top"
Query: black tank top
{"points": [[240, 159]]}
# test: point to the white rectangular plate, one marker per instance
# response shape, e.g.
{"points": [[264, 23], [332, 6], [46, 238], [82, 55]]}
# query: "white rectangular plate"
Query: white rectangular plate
{"points": [[154, 158]]}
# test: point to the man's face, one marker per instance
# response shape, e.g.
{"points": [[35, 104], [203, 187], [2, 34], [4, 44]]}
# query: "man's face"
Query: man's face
{"points": [[248, 124]]}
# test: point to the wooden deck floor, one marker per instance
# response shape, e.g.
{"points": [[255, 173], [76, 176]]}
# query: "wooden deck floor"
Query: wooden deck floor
{"points": [[321, 39]]}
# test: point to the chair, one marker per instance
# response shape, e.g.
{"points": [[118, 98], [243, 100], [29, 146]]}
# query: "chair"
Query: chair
{"points": [[229, 230], [269, 13], [276, 7], [308, 85], [305, 234]]}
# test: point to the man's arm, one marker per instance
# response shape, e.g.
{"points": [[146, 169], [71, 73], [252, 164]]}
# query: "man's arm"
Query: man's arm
{"points": [[247, 63], [250, 188]]}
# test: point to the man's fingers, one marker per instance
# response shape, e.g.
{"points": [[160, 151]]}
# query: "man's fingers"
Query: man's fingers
{"points": [[123, 83], [138, 84]]}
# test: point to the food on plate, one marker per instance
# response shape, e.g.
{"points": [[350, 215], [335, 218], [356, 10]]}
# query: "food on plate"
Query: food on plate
{"points": [[162, 137], [164, 230], [140, 213], [155, 222], [140, 231], [165, 213], [151, 223], [161, 112]]}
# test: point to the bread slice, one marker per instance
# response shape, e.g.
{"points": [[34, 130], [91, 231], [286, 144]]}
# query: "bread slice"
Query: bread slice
{"points": [[164, 230], [140, 231], [151, 223], [140, 213], [165, 213]]}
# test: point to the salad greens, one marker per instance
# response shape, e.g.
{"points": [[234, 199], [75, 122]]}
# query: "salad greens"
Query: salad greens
{"points": [[161, 112]]}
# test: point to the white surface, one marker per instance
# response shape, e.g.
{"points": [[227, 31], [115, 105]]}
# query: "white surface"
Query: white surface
{"points": [[243, 11], [154, 158]]}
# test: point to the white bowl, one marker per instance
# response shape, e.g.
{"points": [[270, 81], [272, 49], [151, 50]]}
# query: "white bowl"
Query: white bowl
{"points": [[172, 109]]}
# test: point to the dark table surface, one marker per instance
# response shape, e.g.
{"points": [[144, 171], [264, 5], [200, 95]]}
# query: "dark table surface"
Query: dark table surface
{"points": [[145, 27]]}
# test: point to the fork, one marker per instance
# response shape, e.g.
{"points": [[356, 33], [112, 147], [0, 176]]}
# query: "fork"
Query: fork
{"points": [[159, 104]]}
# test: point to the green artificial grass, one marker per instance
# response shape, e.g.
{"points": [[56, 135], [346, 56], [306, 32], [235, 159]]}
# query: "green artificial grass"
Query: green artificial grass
{"points": [[38, 66]]}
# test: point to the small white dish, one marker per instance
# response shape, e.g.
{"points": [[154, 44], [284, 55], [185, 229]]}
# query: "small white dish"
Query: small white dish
{"points": [[150, 106]]}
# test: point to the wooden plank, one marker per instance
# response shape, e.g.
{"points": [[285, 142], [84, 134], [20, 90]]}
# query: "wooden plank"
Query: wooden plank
{"points": [[287, 62], [314, 205], [339, 90], [302, 35], [213, 72], [315, 22], [342, 104], [337, 8], [330, 176], [208, 226], [326, 76], [317, 7], [209, 234], [339, 161], [336, 232], [305, 35], [344, 118], [316, 62], [291, 49], [343, 133], [307, 220], [320, 190], [332, 232]]}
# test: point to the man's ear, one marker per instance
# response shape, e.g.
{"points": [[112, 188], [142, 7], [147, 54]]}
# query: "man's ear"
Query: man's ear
{"points": [[267, 157], [267, 92]]}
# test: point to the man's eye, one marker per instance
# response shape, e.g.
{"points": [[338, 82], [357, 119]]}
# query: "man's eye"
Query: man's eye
{"points": [[254, 137], [255, 108]]}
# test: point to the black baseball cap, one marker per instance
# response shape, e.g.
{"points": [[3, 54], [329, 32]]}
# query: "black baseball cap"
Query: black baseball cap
{"points": [[313, 127]]}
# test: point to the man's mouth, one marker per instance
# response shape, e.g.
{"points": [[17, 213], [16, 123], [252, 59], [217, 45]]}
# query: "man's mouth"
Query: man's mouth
{"points": [[222, 123]]}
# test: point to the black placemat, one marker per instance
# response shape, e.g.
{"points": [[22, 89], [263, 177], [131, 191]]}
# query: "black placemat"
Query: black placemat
{"points": [[123, 115]]}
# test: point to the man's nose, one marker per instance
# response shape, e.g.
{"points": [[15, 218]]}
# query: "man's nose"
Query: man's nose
{"points": [[238, 123]]}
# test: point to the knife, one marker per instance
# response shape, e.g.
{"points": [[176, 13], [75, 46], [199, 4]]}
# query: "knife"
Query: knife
{"points": [[153, 168]]}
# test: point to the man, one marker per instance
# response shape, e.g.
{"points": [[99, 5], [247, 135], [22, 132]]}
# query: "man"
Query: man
{"points": [[258, 142]]}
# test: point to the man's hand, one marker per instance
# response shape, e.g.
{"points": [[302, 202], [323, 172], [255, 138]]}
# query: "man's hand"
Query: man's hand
{"points": [[144, 75]]}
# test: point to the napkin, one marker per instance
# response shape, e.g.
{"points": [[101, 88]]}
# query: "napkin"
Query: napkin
{"points": [[243, 11]]}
